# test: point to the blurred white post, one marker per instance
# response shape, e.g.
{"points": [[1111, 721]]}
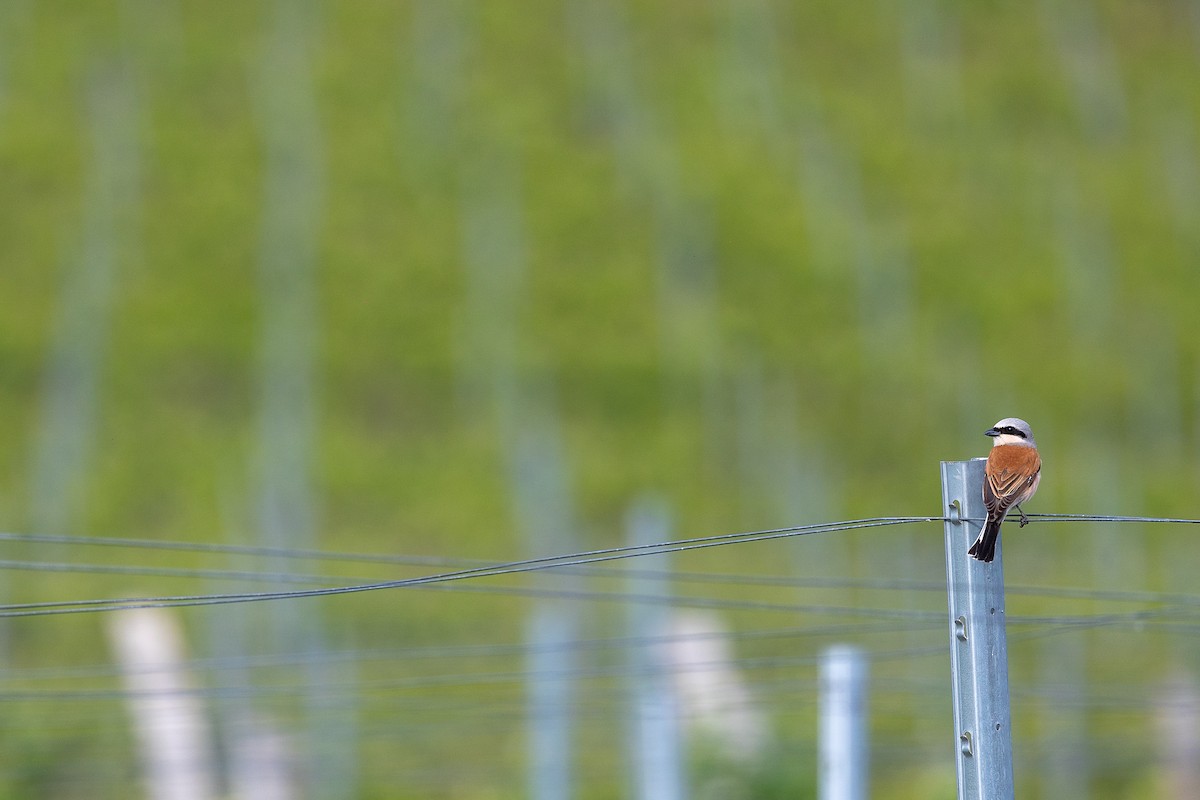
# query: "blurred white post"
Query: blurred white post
{"points": [[1178, 723], [978, 641], [844, 747], [656, 751], [714, 699], [172, 734], [260, 758]]}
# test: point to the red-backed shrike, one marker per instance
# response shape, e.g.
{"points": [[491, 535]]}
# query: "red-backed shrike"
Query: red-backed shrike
{"points": [[1012, 475]]}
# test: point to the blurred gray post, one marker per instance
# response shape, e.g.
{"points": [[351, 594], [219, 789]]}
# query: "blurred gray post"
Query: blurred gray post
{"points": [[550, 693], [65, 433], [844, 749], [978, 645], [654, 738], [544, 510], [293, 204]]}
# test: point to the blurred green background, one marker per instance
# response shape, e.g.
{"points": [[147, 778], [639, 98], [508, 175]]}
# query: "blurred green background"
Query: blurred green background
{"points": [[453, 281]]}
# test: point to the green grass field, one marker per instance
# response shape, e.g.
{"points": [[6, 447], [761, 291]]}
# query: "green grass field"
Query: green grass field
{"points": [[768, 262]]}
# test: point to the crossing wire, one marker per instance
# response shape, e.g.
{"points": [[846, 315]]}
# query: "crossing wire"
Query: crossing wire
{"points": [[366, 687], [425, 560], [484, 569], [491, 570], [675, 576]]}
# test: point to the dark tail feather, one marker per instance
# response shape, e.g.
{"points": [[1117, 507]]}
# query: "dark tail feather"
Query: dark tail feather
{"points": [[984, 548]]}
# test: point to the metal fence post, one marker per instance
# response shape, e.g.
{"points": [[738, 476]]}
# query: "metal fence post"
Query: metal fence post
{"points": [[844, 752], [978, 647], [656, 752], [541, 489]]}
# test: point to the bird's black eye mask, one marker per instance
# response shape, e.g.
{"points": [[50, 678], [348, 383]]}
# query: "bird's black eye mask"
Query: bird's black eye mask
{"points": [[1009, 429]]}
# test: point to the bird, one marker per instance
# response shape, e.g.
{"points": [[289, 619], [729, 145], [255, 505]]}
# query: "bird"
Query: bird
{"points": [[1011, 476]]}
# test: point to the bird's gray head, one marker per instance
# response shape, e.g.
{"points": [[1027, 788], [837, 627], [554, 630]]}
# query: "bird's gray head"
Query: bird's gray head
{"points": [[1011, 430]]}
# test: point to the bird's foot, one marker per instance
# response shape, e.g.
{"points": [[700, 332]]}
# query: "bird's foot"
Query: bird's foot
{"points": [[1024, 519]]}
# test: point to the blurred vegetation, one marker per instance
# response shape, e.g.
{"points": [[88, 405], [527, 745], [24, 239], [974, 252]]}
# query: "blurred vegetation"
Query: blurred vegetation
{"points": [[769, 261]]}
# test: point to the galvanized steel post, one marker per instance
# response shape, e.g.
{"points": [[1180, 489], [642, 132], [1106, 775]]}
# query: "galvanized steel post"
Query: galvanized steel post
{"points": [[656, 753], [844, 748], [978, 646]]}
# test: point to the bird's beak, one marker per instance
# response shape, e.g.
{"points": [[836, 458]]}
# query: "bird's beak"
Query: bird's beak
{"points": [[991, 432]]}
